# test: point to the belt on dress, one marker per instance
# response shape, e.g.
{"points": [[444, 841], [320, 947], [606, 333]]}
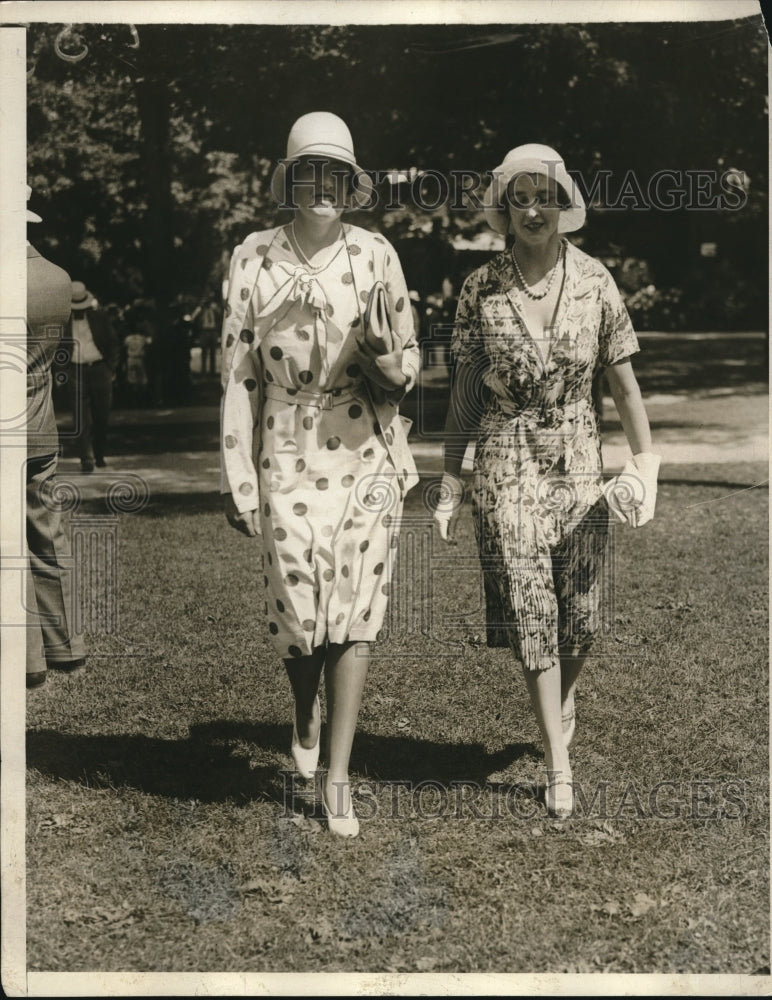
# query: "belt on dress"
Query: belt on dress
{"points": [[323, 400]]}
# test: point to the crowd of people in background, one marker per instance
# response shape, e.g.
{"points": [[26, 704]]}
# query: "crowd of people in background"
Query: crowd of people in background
{"points": [[155, 363]]}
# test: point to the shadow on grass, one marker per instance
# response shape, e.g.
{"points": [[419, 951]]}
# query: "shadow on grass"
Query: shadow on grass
{"points": [[225, 761], [163, 505]]}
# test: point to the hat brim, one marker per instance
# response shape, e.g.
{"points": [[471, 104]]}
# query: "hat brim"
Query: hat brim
{"points": [[81, 303], [496, 214], [362, 183]]}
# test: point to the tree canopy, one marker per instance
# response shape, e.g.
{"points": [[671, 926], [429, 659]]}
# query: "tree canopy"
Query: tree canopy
{"points": [[150, 156]]}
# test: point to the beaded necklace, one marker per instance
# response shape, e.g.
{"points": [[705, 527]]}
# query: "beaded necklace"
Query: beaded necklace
{"points": [[550, 281]]}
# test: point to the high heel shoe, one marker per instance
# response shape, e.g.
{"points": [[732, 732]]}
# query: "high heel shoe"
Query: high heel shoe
{"points": [[343, 824], [306, 758], [559, 794]]}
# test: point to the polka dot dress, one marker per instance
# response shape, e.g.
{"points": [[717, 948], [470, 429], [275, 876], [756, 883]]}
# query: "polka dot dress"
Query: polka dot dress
{"points": [[329, 515]]}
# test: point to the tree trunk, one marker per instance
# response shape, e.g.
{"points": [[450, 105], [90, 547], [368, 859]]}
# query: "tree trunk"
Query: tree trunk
{"points": [[157, 226]]}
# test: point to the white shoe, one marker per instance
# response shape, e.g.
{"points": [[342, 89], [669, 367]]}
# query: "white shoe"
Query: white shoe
{"points": [[559, 796], [306, 759], [343, 824]]}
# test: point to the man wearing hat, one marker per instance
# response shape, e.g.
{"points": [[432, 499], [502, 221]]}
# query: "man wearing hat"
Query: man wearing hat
{"points": [[93, 361], [52, 642]]}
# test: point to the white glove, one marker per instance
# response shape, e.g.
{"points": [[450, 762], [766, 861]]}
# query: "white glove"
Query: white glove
{"points": [[449, 500], [632, 495]]}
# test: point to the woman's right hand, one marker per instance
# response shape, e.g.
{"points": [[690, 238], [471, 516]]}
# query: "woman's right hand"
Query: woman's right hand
{"points": [[248, 523], [451, 497]]}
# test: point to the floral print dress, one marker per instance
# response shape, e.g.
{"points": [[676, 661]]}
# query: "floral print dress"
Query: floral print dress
{"points": [[316, 457], [541, 520]]}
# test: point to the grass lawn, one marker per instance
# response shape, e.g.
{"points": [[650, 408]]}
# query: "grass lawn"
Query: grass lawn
{"points": [[159, 832]]}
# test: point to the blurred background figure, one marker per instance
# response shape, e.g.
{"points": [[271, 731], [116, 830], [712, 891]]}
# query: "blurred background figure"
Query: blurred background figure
{"points": [[439, 317], [51, 639], [135, 347], [207, 320], [93, 362], [177, 349], [415, 309], [144, 323]]}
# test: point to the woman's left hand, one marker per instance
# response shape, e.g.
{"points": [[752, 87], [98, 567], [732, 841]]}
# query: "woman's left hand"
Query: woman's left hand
{"points": [[632, 495], [385, 370]]}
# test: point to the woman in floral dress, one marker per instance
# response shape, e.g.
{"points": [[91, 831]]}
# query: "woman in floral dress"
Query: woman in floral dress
{"points": [[314, 453], [534, 328]]}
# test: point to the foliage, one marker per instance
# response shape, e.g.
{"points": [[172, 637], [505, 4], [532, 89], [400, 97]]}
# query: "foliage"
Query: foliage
{"points": [[150, 162], [653, 308]]}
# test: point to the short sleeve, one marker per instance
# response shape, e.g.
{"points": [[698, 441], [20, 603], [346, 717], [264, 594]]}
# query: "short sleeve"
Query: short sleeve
{"points": [[616, 338], [466, 342]]}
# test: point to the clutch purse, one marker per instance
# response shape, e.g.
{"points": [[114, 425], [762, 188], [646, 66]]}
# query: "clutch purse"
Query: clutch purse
{"points": [[377, 321]]}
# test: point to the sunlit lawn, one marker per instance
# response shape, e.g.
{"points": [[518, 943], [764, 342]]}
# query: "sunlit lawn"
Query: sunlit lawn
{"points": [[161, 835]]}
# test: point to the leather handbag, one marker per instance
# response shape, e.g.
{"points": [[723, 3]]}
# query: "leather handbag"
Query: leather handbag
{"points": [[378, 341], [377, 321]]}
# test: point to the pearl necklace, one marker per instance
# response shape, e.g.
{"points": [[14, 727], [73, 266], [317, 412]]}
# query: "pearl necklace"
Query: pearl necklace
{"points": [[553, 273]]}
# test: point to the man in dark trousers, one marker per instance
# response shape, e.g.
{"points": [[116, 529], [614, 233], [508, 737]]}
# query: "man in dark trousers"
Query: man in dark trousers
{"points": [[52, 642], [93, 361]]}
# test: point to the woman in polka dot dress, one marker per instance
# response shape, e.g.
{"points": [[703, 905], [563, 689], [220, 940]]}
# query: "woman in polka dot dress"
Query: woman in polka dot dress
{"points": [[315, 455]]}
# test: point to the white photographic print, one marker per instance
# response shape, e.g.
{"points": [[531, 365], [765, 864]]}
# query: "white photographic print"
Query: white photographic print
{"points": [[384, 472]]}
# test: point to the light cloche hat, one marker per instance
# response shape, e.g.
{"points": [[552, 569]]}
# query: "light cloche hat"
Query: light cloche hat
{"points": [[532, 158], [322, 134]]}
